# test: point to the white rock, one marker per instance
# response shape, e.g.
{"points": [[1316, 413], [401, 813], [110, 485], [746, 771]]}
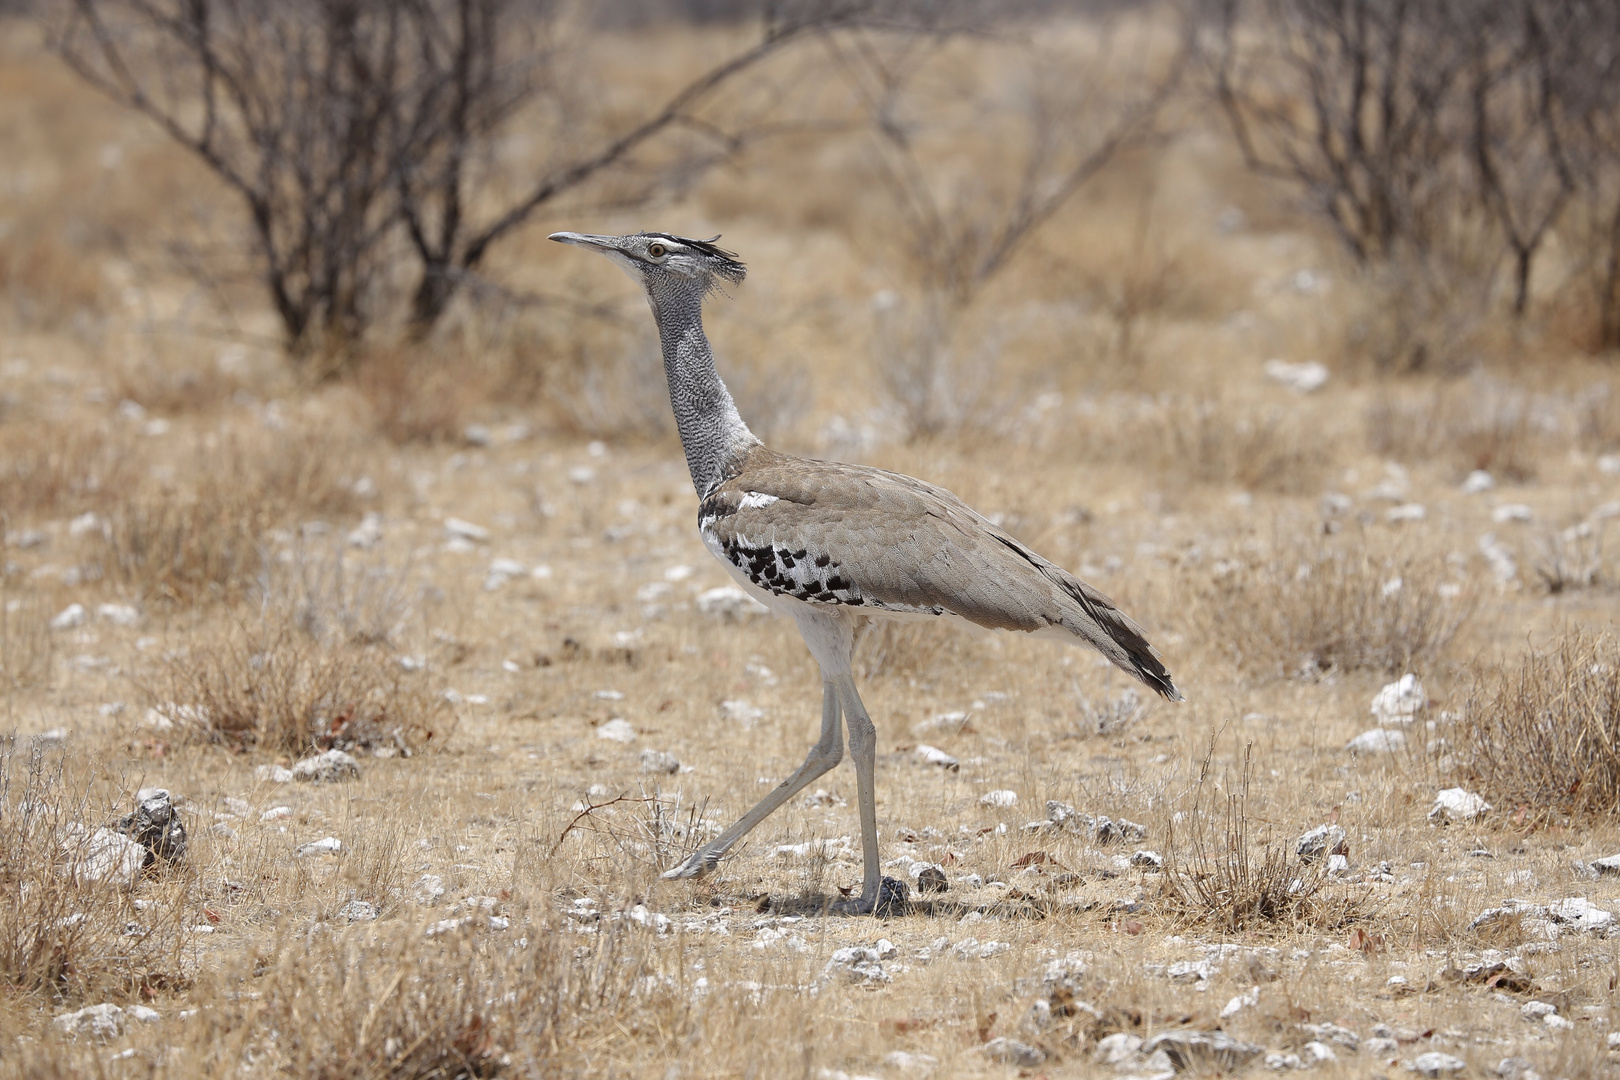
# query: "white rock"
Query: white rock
{"points": [[103, 855], [1338, 864], [729, 602], [1398, 702], [327, 768], [741, 711], [1246, 1000], [659, 761], [1535, 1010], [617, 730], [1377, 741], [276, 813], [272, 774], [458, 529], [428, 888], [1435, 1064], [1609, 464], [1001, 798], [119, 614], [1316, 1053], [1300, 378], [909, 1062], [1610, 865], [327, 845], [1477, 482], [358, 911], [143, 1014], [1457, 804], [86, 522], [477, 435], [1395, 515], [368, 533], [1189, 971], [1012, 1052], [1512, 512], [1147, 860], [1580, 913], [1119, 1048], [932, 755], [69, 618], [104, 1021], [1504, 567], [1320, 841]]}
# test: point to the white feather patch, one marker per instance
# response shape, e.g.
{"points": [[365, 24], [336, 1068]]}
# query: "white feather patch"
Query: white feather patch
{"points": [[753, 499]]}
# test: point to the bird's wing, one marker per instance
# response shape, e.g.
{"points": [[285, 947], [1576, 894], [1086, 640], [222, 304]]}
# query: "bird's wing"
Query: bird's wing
{"points": [[829, 533]]}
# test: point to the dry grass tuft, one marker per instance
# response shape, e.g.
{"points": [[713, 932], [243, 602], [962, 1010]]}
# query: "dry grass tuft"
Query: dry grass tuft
{"points": [[1474, 424], [73, 468], [416, 397], [68, 926], [1228, 880], [1543, 735], [26, 646], [210, 540], [1309, 606]]}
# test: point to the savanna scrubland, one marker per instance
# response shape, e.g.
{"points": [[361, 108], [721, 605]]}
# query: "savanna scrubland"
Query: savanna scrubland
{"points": [[309, 441]]}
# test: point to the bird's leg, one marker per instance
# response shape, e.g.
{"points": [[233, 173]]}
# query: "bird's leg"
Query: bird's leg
{"points": [[878, 893], [823, 756]]}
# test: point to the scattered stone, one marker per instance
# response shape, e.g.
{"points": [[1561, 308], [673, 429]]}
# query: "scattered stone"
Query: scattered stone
{"points": [[1320, 841], [1535, 1010], [1377, 741], [1477, 482], [1504, 567], [1000, 798], [457, 529], [156, 826], [659, 761], [327, 768], [1300, 378], [329, 845], [69, 618], [428, 888], [1012, 1052], [1110, 831], [862, 963], [1512, 512], [223, 831], [1338, 864], [1457, 805], [617, 730], [1435, 1064], [1396, 515], [104, 1021], [276, 813], [1246, 1000], [142, 1013], [1610, 865], [935, 756], [932, 880], [368, 533], [273, 774], [1399, 702], [741, 711], [1189, 971], [501, 571], [1120, 1048], [1147, 860], [729, 602], [1203, 1050], [103, 855], [119, 614], [358, 911]]}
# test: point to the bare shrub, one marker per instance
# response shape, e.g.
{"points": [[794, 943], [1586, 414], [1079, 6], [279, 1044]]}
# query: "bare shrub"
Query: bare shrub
{"points": [[417, 396], [69, 928], [1227, 878], [75, 468], [1302, 607], [1543, 734], [1570, 559], [26, 644]]}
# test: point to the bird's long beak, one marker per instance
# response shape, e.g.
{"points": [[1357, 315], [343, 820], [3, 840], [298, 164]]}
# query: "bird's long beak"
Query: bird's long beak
{"points": [[584, 239]]}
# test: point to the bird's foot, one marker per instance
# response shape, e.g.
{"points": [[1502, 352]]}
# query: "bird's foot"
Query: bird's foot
{"points": [[699, 864], [891, 899]]}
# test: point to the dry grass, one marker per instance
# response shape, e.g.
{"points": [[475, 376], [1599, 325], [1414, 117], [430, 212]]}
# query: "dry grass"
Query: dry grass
{"points": [[1128, 432], [1301, 607], [1541, 734]]}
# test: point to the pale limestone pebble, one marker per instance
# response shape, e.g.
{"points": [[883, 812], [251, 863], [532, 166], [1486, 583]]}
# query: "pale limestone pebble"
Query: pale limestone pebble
{"points": [[660, 762], [1301, 378], [861, 963], [1190, 971], [501, 571], [1405, 512], [1504, 566], [1435, 1064], [1012, 1052], [1202, 1050], [327, 845], [1320, 841], [119, 614], [102, 855], [1399, 702], [617, 730], [430, 887], [1377, 741], [1119, 1049], [974, 949], [457, 529], [1512, 512], [1609, 464], [358, 911], [1457, 805], [273, 774], [104, 1021], [369, 533], [741, 711], [907, 1061], [932, 755], [999, 799], [1609, 865], [1246, 1000], [1478, 482], [276, 813], [1147, 860], [69, 618], [326, 768], [729, 602]]}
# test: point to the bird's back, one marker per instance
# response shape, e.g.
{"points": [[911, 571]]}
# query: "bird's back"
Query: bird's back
{"points": [[828, 533]]}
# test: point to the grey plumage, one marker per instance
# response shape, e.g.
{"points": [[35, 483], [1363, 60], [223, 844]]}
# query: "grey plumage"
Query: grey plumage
{"points": [[835, 545]]}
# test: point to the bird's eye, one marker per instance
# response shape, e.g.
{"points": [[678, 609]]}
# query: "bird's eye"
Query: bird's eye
{"points": [[657, 251]]}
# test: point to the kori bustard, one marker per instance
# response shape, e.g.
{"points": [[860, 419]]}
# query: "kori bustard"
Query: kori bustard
{"points": [[836, 545]]}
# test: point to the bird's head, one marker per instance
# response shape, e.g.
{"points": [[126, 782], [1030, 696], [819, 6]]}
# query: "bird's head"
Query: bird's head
{"points": [[664, 265]]}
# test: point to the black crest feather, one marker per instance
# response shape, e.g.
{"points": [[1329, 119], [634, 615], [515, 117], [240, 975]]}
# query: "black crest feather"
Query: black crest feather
{"points": [[729, 266]]}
